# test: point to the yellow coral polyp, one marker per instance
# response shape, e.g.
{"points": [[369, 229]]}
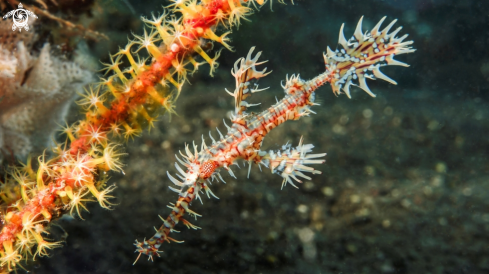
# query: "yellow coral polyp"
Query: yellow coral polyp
{"points": [[180, 69], [102, 196], [82, 164], [96, 135], [29, 223], [188, 9], [91, 98], [44, 246], [24, 243], [24, 182], [78, 201], [10, 257], [237, 12], [110, 158], [148, 42], [44, 168], [209, 34], [114, 66]]}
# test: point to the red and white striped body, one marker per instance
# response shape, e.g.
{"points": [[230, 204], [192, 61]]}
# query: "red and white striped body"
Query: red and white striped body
{"points": [[245, 137], [360, 58]]}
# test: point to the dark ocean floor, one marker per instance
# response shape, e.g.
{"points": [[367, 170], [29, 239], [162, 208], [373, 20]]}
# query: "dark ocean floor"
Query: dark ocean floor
{"points": [[404, 190]]}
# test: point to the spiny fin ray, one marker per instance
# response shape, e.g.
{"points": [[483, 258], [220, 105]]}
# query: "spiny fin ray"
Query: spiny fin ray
{"points": [[363, 55]]}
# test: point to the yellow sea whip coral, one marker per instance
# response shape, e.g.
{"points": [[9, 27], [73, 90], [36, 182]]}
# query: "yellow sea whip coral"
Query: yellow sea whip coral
{"points": [[121, 104]]}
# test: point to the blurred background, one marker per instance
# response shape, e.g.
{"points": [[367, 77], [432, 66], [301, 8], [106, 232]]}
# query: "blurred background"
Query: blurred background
{"points": [[405, 188]]}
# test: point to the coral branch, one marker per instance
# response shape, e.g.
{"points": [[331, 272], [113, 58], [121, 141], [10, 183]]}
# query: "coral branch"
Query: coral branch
{"points": [[123, 103]]}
